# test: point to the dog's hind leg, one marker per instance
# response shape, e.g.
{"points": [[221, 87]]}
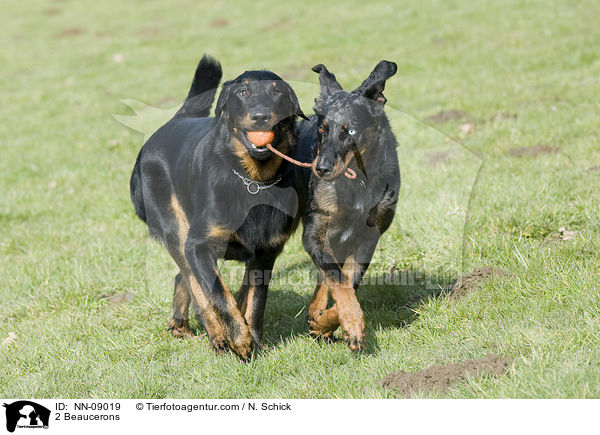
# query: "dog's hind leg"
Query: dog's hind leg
{"points": [[178, 325], [351, 316], [345, 312]]}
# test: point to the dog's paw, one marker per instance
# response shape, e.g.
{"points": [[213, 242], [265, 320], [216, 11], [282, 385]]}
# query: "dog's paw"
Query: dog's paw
{"points": [[353, 333], [180, 328], [243, 344], [322, 324], [219, 345], [326, 337], [356, 342]]}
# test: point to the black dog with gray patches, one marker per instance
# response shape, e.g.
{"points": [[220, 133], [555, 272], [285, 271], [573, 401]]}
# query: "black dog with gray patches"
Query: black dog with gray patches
{"points": [[207, 191], [345, 218]]}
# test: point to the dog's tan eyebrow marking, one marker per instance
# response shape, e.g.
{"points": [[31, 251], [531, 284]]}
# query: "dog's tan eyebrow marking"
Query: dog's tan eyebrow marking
{"points": [[246, 82], [274, 84]]}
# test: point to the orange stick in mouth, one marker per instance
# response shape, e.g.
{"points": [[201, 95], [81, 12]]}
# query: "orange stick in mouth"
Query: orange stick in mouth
{"points": [[261, 138]]}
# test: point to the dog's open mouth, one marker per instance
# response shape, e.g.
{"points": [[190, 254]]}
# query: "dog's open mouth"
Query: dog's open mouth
{"points": [[258, 140]]}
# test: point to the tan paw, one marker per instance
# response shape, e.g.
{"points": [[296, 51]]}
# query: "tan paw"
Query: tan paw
{"points": [[353, 333], [180, 328]]}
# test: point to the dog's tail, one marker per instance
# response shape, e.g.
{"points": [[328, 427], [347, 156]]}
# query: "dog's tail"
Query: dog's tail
{"points": [[135, 189], [202, 92]]}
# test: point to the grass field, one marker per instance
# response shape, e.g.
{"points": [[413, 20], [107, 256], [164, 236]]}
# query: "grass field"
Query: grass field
{"points": [[88, 295]]}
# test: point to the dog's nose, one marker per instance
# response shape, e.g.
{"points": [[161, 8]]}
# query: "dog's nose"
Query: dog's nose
{"points": [[324, 168], [260, 116]]}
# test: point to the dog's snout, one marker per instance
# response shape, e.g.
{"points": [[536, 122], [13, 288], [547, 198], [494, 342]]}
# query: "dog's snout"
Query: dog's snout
{"points": [[260, 115], [324, 168]]}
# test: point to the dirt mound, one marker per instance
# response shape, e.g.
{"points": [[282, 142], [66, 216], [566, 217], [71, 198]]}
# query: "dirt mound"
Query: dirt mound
{"points": [[447, 115], [533, 151], [469, 282], [440, 378]]}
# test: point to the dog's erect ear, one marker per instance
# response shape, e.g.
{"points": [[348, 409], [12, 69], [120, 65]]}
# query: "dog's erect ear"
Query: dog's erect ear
{"points": [[222, 101], [374, 85], [329, 84], [295, 104]]}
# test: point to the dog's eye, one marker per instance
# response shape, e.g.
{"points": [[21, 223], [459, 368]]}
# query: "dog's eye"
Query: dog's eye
{"points": [[351, 132], [243, 92], [276, 92], [321, 129]]}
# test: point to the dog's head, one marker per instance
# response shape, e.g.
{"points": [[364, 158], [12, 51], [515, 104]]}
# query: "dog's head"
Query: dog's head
{"points": [[348, 122], [260, 108]]}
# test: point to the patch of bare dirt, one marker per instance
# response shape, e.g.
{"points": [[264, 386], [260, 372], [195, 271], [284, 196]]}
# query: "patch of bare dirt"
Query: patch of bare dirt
{"points": [[68, 32], [51, 11], [219, 22], [440, 378], [470, 281], [594, 168], [448, 115], [533, 151]]}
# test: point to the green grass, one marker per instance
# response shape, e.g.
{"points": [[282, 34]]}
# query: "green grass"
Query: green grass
{"points": [[69, 237]]}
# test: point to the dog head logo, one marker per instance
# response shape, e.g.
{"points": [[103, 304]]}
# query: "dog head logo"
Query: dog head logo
{"points": [[26, 414]]}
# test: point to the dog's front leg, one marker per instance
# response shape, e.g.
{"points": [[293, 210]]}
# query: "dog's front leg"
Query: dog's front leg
{"points": [[339, 282], [322, 321], [350, 314], [208, 290], [253, 294]]}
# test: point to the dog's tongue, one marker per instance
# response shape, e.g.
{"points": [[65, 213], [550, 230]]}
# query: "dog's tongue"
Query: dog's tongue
{"points": [[261, 138]]}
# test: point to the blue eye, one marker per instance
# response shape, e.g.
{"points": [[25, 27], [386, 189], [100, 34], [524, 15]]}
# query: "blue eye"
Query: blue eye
{"points": [[351, 132]]}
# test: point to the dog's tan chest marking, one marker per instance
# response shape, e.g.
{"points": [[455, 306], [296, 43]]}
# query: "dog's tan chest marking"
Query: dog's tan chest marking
{"points": [[259, 171]]}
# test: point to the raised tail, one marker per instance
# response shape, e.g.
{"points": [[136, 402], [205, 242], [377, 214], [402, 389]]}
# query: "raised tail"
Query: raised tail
{"points": [[202, 92], [135, 189]]}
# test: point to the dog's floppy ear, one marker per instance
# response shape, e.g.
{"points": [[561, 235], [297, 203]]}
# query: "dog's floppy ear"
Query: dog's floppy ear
{"points": [[328, 82], [374, 85], [223, 97], [295, 104]]}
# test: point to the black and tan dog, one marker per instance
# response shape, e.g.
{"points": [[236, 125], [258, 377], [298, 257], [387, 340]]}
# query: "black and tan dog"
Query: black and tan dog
{"points": [[209, 189], [345, 217]]}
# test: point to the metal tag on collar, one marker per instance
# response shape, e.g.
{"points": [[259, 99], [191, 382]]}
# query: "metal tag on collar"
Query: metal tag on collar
{"points": [[253, 188]]}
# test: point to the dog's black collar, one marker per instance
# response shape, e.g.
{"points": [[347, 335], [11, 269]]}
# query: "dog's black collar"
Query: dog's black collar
{"points": [[254, 186]]}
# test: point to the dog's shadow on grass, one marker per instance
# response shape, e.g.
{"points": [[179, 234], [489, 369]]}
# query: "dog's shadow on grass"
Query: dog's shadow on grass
{"points": [[389, 300]]}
